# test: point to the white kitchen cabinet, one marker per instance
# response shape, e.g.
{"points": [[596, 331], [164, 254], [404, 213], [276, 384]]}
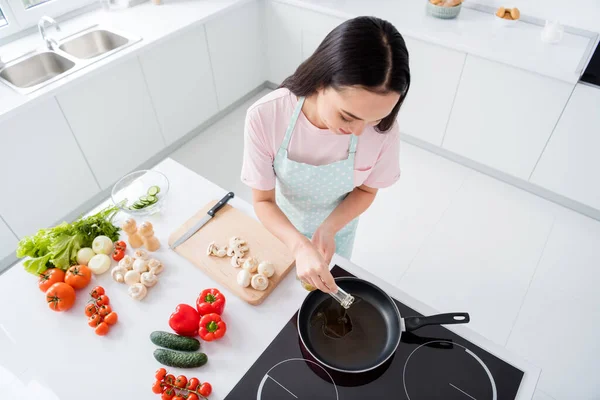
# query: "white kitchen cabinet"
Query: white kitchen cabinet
{"points": [[435, 74], [570, 164], [503, 116], [180, 82], [44, 175], [8, 241], [112, 117], [237, 52], [315, 28]]}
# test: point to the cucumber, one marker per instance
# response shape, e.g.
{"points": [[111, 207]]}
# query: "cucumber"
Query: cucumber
{"points": [[178, 359], [143, 199], [174, 342], [153, 191], [152, 199]]}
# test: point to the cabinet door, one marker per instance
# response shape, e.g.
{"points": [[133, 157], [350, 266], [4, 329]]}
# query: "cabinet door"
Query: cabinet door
{"points": [[113, 120], [435, 73], [284, 46], [316, 27], [8, 241], [180, 82], [570, 164], [43, 175], [237, 52], [503, 116]]}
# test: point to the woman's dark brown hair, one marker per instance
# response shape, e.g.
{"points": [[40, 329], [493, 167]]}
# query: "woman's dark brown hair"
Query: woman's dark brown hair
{"points": [[367, 52]]}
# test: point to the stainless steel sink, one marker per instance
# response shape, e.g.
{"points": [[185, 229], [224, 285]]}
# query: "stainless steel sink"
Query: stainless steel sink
{"points": [[93, 44], [36, 69], [59, 58]]}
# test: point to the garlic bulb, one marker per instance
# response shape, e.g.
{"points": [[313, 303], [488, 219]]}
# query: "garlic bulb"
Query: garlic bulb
{"points": [[132, 277], [243, 278], [251, 265], [259, 282], [140, 265], [148, 279], [127, 262], [141, 254], [137, 291], [155, 266], [118, 274], [266, 268]]}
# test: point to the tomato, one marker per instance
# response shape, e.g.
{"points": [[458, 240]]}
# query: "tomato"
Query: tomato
{"points": [[193, 384], [111, 318], [102, 329], [102, 300], [120, 245], [60, 296], [97, 292], [192, 396], [170, 379], [178, 398], [94, 320], [104, 310], [205, 390], [50, 277], [78, 276], [90, 309], [168, 394], [157, 387], [181, 381], [160, 374], [118, 254]]}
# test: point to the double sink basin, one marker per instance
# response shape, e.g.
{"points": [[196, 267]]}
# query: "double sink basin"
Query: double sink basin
{"points": [[73, 53]]}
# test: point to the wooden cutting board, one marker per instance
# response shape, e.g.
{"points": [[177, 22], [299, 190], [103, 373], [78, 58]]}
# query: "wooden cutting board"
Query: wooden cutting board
{"points": [[229, 222]]}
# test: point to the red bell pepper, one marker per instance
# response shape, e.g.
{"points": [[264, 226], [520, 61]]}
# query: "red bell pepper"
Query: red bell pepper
{"points": [[184, 321], [212, 327], [210, 301]]}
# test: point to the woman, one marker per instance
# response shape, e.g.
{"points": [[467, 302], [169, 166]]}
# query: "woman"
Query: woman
{"points": [[317, 149]]}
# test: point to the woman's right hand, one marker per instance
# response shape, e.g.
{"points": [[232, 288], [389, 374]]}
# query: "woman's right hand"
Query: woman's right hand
{"points": [[312, 268]]}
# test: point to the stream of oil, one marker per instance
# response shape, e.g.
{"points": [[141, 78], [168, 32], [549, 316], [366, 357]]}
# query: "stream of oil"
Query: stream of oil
{"points": [[352, 337]]}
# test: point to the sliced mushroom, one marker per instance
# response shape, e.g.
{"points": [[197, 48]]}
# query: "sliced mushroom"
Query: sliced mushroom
{"points": [[221, 252], [266, 268], [118, 273], [250, 265], [140, 265], [259, 282], [148, 279], [132, 277], [137, 291], [243, 278], [155, 266], [236, 261], [210, 249]]}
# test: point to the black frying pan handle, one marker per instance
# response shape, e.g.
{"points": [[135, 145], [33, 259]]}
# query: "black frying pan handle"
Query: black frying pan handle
{"points": [[412, 323]]}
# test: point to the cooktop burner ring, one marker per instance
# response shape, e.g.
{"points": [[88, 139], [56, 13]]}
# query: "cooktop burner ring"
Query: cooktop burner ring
{"points": [[267, 377], [469, 352]]}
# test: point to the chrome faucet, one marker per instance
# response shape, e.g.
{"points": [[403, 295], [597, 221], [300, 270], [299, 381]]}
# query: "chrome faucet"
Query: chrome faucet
{"points": [[50, 43]]}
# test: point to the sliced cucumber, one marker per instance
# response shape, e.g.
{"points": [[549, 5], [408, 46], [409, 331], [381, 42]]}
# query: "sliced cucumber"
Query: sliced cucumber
{"points": [[152, 199], [153, 191]]}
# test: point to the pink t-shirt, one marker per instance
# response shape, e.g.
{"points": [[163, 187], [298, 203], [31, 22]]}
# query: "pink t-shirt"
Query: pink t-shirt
{"points": [[377, 155]]}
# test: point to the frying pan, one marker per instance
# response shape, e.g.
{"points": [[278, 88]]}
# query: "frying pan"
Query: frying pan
{"points": [[363, 337]]}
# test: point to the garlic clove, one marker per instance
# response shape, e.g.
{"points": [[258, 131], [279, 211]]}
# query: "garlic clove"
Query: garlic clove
{"points": [[148, 279], [266, 268], [259, 282], [137, 291], [250, 265], [132, 277], [243, 278]]}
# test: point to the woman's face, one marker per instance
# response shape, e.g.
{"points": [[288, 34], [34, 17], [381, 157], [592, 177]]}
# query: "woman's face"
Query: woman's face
{"points": [[351, 109]]}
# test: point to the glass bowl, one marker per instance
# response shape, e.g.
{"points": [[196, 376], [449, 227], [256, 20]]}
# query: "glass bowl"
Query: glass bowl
{"points": [[141, 192]]}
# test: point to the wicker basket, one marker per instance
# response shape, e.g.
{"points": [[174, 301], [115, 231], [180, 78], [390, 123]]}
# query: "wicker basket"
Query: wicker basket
{"points": [[443, 12]]}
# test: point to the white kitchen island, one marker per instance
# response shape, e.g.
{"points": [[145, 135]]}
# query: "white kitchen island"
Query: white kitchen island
{"points": [[49, 355]]}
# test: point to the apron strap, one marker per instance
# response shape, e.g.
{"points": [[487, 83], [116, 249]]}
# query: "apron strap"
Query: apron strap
{"points": [[292, 124], [353, 144]]}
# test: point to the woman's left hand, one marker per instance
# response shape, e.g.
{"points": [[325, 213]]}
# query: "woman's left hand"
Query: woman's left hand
{"points": [[324, 241]]}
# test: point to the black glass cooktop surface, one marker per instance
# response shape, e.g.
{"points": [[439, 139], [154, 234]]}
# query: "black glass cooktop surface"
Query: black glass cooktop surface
{"points": [[430, 363]]}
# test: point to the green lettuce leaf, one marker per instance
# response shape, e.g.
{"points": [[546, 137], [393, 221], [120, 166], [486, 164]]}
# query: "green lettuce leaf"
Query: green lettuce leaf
{"points": [[37, 265], [64, 249]]}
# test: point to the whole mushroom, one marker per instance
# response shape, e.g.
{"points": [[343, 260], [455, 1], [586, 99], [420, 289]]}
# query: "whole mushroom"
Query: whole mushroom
{"points": [[250, 265], [118, 273], [266, 268], [132, 277], [260, 282], [243, 278], [148, 279], [137, 291]]}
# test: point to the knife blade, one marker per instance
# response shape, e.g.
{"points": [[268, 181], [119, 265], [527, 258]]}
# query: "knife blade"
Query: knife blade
{"points": [[209, 215]]}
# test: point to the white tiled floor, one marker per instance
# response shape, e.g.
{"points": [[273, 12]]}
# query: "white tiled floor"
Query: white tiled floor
{"points": [[525, 269]]}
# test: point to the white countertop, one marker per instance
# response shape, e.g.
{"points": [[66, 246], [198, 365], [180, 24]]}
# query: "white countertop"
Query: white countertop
{"points": [[473, 32], [43, 353]]}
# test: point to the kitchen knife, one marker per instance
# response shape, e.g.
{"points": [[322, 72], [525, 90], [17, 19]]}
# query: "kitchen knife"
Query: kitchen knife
{"points": [[211, 213]]}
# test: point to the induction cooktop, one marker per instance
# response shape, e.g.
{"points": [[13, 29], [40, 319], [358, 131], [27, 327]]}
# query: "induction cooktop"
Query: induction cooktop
{"points": [[430, 363]]}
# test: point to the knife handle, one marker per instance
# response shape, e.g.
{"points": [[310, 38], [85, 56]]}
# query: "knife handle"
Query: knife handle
{"points": [[220, 204]]}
